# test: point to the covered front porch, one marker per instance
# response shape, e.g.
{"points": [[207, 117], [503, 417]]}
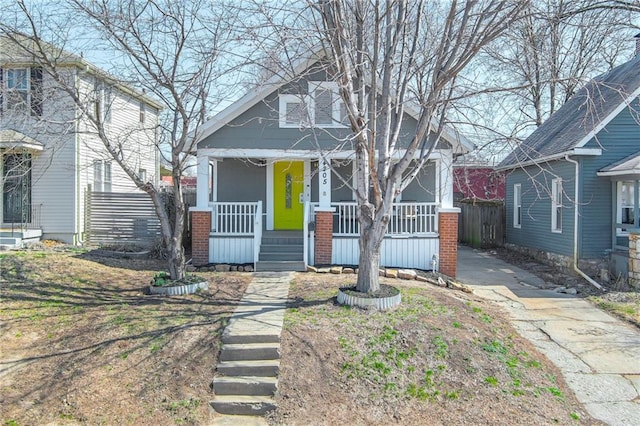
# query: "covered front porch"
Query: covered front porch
{"points": [[243, 201], [20, 217]]}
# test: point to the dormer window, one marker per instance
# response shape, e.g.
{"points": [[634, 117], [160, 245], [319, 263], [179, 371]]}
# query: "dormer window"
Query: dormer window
{"points": [[321, 107]]}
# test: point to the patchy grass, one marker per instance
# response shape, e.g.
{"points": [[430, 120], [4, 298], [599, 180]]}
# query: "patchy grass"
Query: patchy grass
{"points": [[83, 344], [625, 305], [442, 357]]}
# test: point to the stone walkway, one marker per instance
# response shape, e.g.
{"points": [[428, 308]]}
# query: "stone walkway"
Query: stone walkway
{"points": [[247, 371], [599, 355]]}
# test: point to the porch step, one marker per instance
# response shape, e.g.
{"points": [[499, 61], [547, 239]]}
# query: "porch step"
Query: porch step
{"points": [[277, 266], [245, 385], [243, 405], [281, 248], [256, 368], [283, 240], [286, 256]]}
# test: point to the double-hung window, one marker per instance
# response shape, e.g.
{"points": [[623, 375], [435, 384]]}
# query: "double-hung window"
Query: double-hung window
{"points": [[517, 205], [102, 106], [22, 88], [556, 205], [102, 176]]}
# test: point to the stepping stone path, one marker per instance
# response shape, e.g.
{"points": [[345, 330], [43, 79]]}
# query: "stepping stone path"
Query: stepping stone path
{"points": [[247, 374]]}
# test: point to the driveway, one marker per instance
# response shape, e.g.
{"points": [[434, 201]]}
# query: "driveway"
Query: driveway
{"points": [[598, 354]]}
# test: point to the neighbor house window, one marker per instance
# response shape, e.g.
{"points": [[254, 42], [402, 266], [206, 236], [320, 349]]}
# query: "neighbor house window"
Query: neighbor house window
{"points": [[142, 175], [556, 205], [625, 214], [142, 112], [102, 176], [517, 205], [23, 90], [321, 107], [102, 106]]}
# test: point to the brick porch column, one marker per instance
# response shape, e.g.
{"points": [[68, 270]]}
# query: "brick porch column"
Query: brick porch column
{"points": [[200, 229], [323, 237], [448, 230]]}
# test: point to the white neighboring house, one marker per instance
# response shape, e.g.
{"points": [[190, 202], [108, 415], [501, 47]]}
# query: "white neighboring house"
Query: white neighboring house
{"points": [[50, 154]]}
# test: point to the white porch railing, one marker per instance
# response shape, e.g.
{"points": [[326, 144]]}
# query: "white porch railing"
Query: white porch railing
{"points": [[406, 219], [257, 235], [230, 218]]}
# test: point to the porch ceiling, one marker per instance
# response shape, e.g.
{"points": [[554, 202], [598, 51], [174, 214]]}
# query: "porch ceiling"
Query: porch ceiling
{"points": [[11, 139]]}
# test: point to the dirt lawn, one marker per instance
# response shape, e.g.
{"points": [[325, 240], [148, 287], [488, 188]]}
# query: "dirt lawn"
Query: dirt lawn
{"points": [[82, 344]]}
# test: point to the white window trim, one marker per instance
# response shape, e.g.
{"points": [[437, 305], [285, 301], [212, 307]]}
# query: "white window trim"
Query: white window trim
{"points": [[622, 232], [556, 205], [7, 95], [102, 176], [282, 108], [335, 107], [517, 205]]}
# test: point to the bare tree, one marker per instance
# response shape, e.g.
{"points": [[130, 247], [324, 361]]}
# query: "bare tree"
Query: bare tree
{"points": [[171, 50], [553, 52], [389, 57]]}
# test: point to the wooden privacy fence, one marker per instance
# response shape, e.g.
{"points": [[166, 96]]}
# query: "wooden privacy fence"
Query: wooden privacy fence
{"points": [[482, 225], [116, 218]]}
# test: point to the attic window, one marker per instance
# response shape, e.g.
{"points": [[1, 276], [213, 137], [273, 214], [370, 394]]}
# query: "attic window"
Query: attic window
{"points": [[327, 105], [322, 107], [294, 111]]}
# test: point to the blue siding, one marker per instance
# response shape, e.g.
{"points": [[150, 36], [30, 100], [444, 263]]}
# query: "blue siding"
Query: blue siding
{"points": [[241, 181], [619, 139], [535, 231]]}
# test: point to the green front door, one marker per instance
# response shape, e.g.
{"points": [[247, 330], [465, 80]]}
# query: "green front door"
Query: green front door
{"points": [[288, 187]]}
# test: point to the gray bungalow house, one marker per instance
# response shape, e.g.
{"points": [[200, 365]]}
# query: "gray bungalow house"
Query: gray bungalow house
{"points": [[572, 187], [274, 184]]}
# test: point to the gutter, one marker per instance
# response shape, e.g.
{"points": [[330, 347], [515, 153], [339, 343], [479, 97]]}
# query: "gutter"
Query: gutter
{"points": [[575, 227], [548, 158]]}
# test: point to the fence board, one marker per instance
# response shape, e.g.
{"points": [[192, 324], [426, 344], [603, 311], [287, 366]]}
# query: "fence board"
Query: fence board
{"points": [[116, 218], [482, 225]]}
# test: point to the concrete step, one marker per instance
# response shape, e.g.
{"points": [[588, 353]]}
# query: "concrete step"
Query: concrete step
{"points": [[279, 257], [275, 266], [249, 351], [266, 335], [245, 385], [256, 368], [294, 241], [242, 405], [282, 248]]}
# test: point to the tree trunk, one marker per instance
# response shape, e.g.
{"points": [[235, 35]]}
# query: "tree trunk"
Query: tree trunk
{"points": [[372, 230]]}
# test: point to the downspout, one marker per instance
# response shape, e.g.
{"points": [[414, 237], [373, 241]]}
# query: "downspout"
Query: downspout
{"points": [[79, 206], [575, 226]]}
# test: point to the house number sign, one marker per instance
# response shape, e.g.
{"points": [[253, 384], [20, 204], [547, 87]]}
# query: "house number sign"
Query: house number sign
{"points": [[325, 184]]}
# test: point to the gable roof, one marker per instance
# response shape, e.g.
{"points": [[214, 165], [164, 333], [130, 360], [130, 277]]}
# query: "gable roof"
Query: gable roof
{"points": [[252, 97], [627, 166], [581, 117]]}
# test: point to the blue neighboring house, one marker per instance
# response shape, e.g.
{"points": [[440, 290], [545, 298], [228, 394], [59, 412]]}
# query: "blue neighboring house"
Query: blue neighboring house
{"points": [[572, 186]]}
